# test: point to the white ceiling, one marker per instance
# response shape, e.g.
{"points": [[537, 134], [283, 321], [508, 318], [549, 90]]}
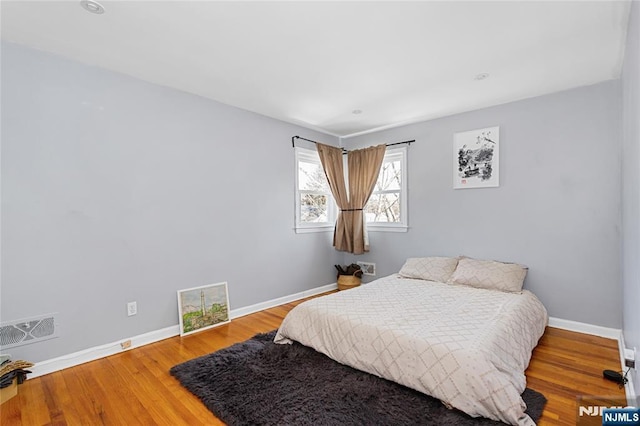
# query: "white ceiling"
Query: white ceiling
{"points": [[313, 63]]}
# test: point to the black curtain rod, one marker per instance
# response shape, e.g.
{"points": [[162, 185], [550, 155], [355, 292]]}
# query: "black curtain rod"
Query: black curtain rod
{"points": [[344, 151]]}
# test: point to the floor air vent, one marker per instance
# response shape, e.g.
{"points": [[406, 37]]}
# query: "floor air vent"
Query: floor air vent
{"points": [[29, 330]]}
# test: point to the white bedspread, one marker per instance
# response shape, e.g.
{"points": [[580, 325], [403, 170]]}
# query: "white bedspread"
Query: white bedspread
{"points": [[468, 347]]}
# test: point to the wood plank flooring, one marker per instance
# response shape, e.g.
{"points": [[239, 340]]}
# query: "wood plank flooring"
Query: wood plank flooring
{"points": [[135, 388]]}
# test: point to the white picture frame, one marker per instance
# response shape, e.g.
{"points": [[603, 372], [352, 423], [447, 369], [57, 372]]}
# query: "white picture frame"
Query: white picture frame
{"points": [[202, 308], [476, 158]]}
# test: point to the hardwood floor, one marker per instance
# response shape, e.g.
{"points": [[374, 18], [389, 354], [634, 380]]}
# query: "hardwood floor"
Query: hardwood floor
{"points": [[135, 388], [566, 365]]}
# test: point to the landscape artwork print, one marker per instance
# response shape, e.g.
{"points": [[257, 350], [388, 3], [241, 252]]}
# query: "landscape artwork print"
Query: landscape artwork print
{"points": [[203, 307], [476, 158]]}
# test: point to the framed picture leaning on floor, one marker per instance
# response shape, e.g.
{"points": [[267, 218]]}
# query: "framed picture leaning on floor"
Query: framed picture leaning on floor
{"points": [[201, 308]]}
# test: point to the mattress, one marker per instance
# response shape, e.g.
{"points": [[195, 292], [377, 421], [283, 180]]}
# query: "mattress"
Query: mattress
{"points": [[466, 346]]}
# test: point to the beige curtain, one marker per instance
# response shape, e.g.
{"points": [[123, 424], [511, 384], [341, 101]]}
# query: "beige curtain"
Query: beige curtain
{"points": [[331, 159], [363, 167]]}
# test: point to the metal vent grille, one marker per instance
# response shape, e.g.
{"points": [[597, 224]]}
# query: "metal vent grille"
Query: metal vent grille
{"points": [[29, 330]]}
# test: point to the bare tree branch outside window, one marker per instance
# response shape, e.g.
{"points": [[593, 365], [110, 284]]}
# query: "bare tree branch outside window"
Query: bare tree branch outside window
{"points": [[314, 191], [384, 204]]}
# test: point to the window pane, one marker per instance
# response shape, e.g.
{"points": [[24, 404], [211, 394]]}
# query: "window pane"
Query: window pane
{"points": [[383, 208], [311, 177], [390, 177], [313, 208]]}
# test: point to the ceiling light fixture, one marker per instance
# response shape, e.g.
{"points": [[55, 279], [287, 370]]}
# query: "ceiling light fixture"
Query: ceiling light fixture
{"points": [[481, 76], [92, 6], [356, 111]]}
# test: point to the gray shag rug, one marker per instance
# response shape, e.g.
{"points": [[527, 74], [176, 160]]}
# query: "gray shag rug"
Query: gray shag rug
{"points": [[258, 382]]}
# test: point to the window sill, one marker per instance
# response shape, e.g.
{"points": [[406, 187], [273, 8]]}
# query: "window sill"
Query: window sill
{"points": [[370, 228], [382, 228], [311, 229]]}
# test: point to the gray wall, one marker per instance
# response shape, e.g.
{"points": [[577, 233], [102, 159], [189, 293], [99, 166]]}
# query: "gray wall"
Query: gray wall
{"points": [[116, 190], [557, 209], [631, 188]]}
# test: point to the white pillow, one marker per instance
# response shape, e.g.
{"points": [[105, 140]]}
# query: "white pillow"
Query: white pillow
{"points": [[429, 268], [489, 274]]}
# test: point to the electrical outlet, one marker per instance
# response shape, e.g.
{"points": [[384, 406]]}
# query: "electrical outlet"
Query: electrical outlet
{"points": [[126, 344], [132, 308], [630, 357]]}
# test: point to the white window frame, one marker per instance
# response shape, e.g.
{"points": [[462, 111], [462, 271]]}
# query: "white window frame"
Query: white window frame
{"points": [[402, 226], [311, 156]]}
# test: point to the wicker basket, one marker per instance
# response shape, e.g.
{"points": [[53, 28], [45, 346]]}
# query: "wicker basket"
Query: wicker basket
{"points": [[345, 282]]}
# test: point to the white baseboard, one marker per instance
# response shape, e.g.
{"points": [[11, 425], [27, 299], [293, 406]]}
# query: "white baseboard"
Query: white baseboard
{"points": [[581, 327], [240, 312], [91, 354], [628, 387]]}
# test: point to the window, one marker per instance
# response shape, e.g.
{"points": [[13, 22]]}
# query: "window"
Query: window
{"points": [[315, 208], [387, 207]]}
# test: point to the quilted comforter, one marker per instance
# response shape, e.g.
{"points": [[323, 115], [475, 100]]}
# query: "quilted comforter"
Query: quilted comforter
{"points": [[466, 346]]}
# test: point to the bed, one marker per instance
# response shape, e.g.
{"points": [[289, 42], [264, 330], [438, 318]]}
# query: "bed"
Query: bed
{"points": [[465, 345]]}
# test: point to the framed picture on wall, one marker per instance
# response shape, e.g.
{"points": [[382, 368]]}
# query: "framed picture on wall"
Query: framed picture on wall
{"points": [[476, 158], [201, 308]]}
